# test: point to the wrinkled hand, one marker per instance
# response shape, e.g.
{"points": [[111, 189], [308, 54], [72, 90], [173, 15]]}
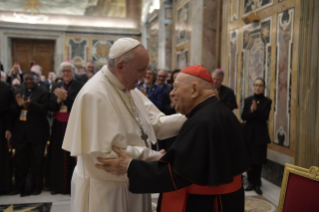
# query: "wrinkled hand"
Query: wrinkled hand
{"points": [[8, 136], [115, 166], [61, 93], [163, 152], [20, 100], [27, 103]]}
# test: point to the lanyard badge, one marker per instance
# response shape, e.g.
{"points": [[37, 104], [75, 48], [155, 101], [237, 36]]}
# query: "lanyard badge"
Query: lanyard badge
{"points": [[23, 115]]}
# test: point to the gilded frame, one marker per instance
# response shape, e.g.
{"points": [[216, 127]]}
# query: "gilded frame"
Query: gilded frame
{"points": [[311, 173]]}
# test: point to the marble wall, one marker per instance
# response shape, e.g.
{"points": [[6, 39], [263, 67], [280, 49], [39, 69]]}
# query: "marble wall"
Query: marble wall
{"points": [[266, 49]]}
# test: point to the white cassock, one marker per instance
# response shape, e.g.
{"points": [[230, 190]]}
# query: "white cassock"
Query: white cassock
{"points": [[100, 119]]}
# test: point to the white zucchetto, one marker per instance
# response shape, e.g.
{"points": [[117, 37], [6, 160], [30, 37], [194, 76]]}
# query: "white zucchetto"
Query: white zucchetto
{"points": [[122, 46]]}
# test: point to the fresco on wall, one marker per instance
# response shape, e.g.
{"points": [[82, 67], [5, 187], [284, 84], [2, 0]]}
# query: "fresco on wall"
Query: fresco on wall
{"points": [[234, 10], [153, 43], [283, 78], [233, 59], [104, 8], [255, 5], [77, 50], [100, 50], [182, 24], [182, 59], [256, 48], [168, 45]]}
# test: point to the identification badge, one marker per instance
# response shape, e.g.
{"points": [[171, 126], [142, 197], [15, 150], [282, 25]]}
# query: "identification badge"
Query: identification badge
{"points": [[23, 115], [63, 109]]}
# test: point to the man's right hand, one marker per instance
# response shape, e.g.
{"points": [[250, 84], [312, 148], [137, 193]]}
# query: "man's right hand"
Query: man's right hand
{"points": [[20, 100]]}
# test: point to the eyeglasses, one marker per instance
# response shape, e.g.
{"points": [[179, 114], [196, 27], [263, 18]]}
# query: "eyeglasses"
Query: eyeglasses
{"points": [[259, 85], [159, 76], [66, 71]]}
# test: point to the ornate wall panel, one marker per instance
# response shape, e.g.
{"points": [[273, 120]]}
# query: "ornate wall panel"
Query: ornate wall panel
{"points": [[153, 42], [182, 60], [77, 51], [256, 48], [101, 50], [234, 10], [168, 45], [285, 27], [255, 5], [182, 25], [233, 59]]}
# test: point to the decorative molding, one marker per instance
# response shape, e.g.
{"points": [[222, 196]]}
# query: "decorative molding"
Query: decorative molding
{"points": [[279, 157], [72, 29], [7, 34]]}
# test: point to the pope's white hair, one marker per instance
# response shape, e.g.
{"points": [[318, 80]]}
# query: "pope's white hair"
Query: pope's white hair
{"points": [[67, 64]]}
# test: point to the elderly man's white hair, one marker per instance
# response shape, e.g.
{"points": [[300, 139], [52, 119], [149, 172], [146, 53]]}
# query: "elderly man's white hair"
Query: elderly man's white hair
{"points": [[37, 67], [3, 76], [67, 64], [125, 58]]}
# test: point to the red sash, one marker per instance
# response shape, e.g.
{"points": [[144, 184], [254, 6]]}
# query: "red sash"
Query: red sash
{"points": [[62, 117], [175, 201]]}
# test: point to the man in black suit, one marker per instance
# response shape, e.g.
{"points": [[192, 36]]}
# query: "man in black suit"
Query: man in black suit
{"points": [[37, 70], [30, 133], [225, 94], [5, 134]]}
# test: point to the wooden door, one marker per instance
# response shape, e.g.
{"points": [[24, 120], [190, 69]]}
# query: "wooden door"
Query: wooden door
{"points": [[33, 51]]}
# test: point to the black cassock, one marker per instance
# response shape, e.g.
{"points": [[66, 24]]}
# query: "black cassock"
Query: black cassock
{"points": [[60, 164], [6, 98], [209, 151], [228, 97]]}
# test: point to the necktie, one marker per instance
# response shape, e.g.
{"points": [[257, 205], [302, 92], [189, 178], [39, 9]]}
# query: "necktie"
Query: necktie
{"points": [[148, 89]]}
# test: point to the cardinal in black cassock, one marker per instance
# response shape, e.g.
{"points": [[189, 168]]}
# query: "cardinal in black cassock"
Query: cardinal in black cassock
{"points": [[201, 171]]}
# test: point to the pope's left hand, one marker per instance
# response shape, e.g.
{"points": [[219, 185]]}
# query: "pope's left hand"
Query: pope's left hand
{"points": [[115, 166]]}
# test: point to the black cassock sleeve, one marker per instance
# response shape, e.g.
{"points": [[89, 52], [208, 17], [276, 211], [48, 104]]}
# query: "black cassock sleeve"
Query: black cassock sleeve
{"points": [[153, 177]]}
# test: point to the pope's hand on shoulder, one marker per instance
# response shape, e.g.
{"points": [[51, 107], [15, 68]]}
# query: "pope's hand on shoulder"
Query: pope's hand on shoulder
{"points": [[116, 166]]}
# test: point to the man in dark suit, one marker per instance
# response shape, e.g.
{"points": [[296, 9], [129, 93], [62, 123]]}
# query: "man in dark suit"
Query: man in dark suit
{"points": [[154, 92], [90, 71], [225, 94], [37, 70], [30, 134]]}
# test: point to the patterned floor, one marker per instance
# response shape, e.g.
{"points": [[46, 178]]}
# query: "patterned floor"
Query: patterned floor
{"points": [[61, 203]]}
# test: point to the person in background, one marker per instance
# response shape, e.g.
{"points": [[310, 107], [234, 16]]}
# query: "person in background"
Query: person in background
{"points": [[81, 71], [168, 78], [3, 76], [152, 91], [16, 83], [160, 80], [90, 71], [37, 70], [224, 93], [6, 99], [60, 164], [256, 113], [15, 73], [30, 134]]}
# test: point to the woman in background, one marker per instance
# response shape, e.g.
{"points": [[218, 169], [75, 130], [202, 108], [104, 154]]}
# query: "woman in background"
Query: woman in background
{"points": [[256, 113]]}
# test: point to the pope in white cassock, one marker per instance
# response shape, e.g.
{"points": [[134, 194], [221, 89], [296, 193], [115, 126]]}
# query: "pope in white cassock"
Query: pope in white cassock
{"points": [[110, 111]]}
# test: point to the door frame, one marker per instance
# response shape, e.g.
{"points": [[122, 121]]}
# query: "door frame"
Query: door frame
{"points": [[6, 49]]}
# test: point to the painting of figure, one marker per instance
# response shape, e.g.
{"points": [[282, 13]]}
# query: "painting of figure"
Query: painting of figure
{"points": [[233, 58], [283, 78], [255, 5], [182, 24]]}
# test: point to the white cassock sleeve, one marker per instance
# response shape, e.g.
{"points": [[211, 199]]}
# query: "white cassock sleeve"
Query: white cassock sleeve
{"points": [[95, 126], [164, 126]]}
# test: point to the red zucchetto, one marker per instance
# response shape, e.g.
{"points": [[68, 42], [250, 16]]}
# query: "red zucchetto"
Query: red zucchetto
{"points": [[198, 71]]}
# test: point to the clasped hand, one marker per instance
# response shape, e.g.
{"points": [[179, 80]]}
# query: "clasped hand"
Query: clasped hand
{"points": [[61, 93], [21, 102]]}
